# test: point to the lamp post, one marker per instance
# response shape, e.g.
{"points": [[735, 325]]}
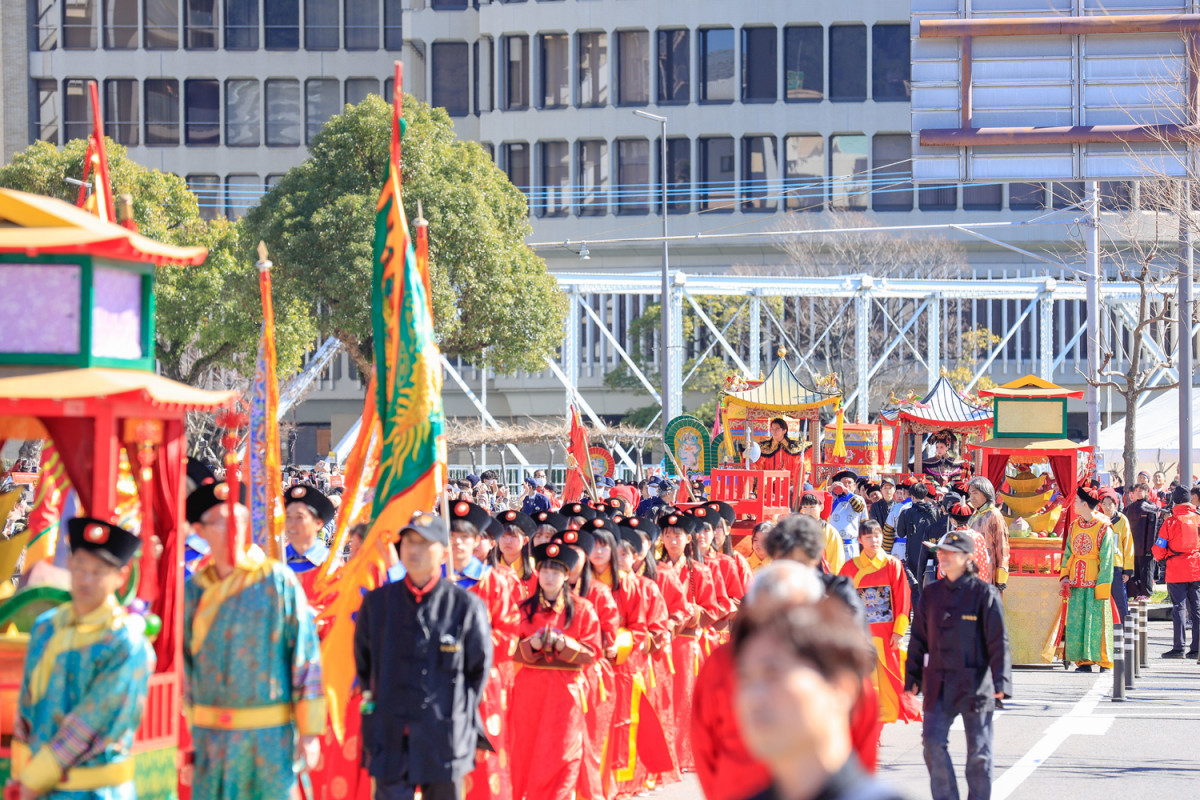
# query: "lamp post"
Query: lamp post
{"points": [[668, 394]]}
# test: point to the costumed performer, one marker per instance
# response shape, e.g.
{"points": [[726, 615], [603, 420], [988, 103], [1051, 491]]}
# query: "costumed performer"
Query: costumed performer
{"points": [[1086, 578]]}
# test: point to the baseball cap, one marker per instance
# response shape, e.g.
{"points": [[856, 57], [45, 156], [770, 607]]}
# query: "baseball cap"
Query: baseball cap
{"points": [[955, 542], [429, 527]]}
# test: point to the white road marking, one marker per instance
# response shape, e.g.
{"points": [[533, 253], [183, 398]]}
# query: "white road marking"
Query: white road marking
{"points": [[1081, 720]]}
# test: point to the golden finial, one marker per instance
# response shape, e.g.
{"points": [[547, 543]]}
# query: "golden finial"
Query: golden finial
{"points": [[781, 352], [263, 262]]}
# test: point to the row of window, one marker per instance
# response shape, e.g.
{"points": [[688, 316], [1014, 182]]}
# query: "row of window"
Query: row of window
{"points": [[725, 65], [230, 197], [276, 112], [213, 24]]}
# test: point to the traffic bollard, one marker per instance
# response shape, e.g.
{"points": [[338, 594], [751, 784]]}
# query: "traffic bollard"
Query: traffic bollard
{"points": [[1130, 653], [1118, 671], [1135, 635], [1143, 639]]}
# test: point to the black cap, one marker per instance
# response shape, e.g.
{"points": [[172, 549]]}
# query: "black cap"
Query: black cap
{"points": [[632, 537], [843, 475], [207, 496], [312, 497], [578, 510], [199, 473], [683, 522], [1180, 496], [493, 529], [724, 510], [469, 513], [703, 515], [110, 542], [646, 526], [556, 553], [581, 539], [429, 527], [955, 542], [551, 518], [518, 520]]}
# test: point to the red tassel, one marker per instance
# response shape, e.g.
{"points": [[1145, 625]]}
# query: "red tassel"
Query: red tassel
{"points": [[232, 421]]}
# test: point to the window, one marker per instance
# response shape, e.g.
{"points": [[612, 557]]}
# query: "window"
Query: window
{"points": [[760, 172], [1115, 195], [362, 25], [162, 24], [202, 117], [282, 28], [76, 117], [556, 74], [717, 176], [633, 176], [321, 101], [674, 66], [848, 171], [79, 24], [45, 110], [393, 38], [516, 72], [207, 189], [890, 63], [803, 63], [938, 197], [162, 111], [273, 180], [804, 173], [553, 196], [760, 52], [716, 65], [200, 25], [484, 53], [633, 67], [242, 192], [982, 197], [121, 111], [241, 113], [516, 164], [120, 24], [450, 79], [847, 63], [891, 162], [44, 24], [1066, 194], [448, 5], [679, 175], [283, 113], [241, 25], [321, 25], [357, 89], [1026, 196], [593, 178], [593, 69]]}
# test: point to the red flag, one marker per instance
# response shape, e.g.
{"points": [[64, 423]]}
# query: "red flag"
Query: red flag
{"points": [[579, 463], [95, 163]]}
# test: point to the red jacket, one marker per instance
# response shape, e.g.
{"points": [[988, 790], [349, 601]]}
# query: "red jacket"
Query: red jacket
{"points": [[1178, 544]]}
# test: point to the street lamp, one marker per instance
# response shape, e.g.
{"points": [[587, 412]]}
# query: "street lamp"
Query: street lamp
{"points": [[667, 397]]}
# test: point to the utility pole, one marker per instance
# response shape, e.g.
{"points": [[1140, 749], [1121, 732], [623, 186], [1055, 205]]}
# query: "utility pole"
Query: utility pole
{"points": [[1092, 242], [1184, 311], [671, 401]]}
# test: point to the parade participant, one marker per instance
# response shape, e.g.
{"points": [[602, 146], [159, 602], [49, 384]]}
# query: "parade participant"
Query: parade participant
{"points": [[511, 555], [1086, 578], [799, 674], [942, 469], [889, 497], [921, 522], [535, 496], [1122, 550], [883, 588], [834, 554], [723, 544], [849, 511], [959, 515], [423, 654], [781, 452], [195, 549], [252, 667], [988, 520], [307, 511], [559, 638], [758, 551], [548, 524], [1178, 544], [1143, 516], [958, 659], [84, 687], [725, 581]]}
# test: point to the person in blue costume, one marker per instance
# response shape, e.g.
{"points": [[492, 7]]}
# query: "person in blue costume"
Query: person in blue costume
{"points": [[307, 512], [84, 687], [253, 692]]}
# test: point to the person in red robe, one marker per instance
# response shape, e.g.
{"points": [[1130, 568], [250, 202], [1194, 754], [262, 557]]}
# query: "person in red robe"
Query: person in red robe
{"points": [[781, 452], [511, 555]]}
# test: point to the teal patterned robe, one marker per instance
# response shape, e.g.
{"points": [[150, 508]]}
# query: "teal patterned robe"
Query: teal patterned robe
{"points": [[249, 642], [82, 697]]}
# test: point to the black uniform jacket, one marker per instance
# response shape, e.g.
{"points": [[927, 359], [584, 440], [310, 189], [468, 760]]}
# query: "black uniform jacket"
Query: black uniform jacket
{"points": [[426, 664], [959, 646]]}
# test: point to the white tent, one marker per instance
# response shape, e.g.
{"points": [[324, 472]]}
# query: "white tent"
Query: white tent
{"points": [[1157, 430]]}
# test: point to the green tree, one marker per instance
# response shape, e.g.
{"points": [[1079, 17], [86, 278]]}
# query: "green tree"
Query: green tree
{"points": [[493, 299], [207, 317]]}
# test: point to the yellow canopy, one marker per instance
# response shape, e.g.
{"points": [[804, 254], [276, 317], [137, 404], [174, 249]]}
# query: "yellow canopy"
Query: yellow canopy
{"points": [[77, 384], [781, 392]]}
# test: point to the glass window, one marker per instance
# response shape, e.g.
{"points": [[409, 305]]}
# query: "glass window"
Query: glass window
{"points": [[77, 122], [162, 111], [516, 72], [804, 62], [593, 69], [121, 111], [282, 28], [553, 196], [1066, 194], [717, 173], [207, 189], [516, 164], [241, 25], [679, 176], [321, 101], [79, 24], [716, 65], [633, 67], [283, 113], [241, 113], [760, 172], [450, 79], [448, 5], [200, 24], [1026, 196], [45, 121], [273, 180], [357, 89], [202, 115], [389, 90], [393, 34], [484, 88], [242, 192], [362, 24], [120, 24], [633, 176], [890, 63], [804, 171], [982, 197], [847, 62], [556, 74], [1115, 195], [848, 171], [593, 178], [162, 24], [674, 66], [321, 25], [760, 50], [44, 23], [891, 162], [938, 197]]}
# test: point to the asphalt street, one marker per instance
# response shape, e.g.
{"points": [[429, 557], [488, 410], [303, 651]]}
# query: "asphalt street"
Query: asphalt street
{"points": [[1062, 736]]}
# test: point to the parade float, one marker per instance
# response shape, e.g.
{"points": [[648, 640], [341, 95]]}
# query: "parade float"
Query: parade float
{"points": [[82, 378], [942, 410]]}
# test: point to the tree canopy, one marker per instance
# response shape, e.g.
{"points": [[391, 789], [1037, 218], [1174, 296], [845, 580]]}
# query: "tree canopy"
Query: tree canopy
{"points": [[494, 302]]}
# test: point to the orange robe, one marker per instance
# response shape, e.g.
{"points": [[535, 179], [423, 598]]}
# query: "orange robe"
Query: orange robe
{"points": [[490, 779], [602, 686], [686, 649], [678, 612], [726, 769]]}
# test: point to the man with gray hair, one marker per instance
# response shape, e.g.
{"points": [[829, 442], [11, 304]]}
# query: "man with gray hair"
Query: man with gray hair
{"points": [[989, 523]]}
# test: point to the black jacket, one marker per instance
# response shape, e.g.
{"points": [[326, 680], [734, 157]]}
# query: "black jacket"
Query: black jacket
{"points": [[426, 665], [1144, 518], [960, 627], [918, 523]]}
